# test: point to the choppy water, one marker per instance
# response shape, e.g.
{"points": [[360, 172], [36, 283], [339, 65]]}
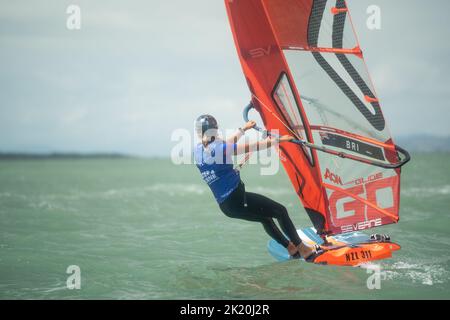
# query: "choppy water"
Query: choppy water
{"points": [[146, 229]]}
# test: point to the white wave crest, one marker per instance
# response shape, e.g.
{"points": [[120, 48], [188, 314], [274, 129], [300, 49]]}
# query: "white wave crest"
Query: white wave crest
{"points": [[422, 192], [427, 274]]}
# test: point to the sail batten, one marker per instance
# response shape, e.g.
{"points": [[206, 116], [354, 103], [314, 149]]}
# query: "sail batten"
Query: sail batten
{"points": [[356, 50]]}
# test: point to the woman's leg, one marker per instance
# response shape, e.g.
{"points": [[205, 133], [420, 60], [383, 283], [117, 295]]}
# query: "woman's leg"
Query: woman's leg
{"points": [[234, 207], [268, 208], [268, 224], [274, 232]]}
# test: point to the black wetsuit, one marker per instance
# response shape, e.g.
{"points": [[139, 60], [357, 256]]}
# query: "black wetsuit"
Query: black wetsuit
{"points": [[254, 207]]}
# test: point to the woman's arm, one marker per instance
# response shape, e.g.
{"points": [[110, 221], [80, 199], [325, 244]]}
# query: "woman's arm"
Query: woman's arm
{"points": [[261, 145], [240, 132]]}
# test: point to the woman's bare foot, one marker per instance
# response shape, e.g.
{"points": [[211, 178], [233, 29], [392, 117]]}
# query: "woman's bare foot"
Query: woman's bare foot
{"points": [[305, 251]]}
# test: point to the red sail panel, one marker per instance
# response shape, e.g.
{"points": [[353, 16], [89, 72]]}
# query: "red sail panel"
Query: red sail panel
{"points": [[289, 20], [264, 66]]}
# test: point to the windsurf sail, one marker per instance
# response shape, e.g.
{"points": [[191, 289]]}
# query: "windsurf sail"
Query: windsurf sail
{"points": [[308, 78]]}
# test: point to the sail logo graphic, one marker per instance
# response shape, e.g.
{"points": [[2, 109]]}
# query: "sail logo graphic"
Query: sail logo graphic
{"points": [[363, 180], [352, 145], [363, 206], [259, 52], [333, 177], [362, 225]]}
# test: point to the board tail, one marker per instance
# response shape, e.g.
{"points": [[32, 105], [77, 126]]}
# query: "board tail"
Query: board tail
{"points": [[354, 255], [350, 249]]}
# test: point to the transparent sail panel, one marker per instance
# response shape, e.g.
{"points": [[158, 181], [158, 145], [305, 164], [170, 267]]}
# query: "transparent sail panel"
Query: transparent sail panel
{"points": [[335, 96], [285, 100], [345, 116]]}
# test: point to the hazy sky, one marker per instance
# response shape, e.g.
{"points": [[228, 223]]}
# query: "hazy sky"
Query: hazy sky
{"points": [[138, 69]]}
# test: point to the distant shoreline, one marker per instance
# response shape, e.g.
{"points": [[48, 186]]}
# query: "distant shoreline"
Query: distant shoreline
{"points": [[422, 143], [62, 155], [107, 156], [419, 144]]}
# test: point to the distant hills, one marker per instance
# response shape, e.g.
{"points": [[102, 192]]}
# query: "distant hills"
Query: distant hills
{"points": [[61, 155], [413, 143], [424, 143]]}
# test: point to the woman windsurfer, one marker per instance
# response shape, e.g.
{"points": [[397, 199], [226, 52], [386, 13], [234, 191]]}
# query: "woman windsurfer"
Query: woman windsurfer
{"points": [[213, 158]]}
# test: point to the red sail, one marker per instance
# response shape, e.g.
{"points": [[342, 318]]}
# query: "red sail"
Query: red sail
{"points": [[308, 78]]}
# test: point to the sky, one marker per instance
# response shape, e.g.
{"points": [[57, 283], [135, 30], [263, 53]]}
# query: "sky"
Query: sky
{"points": [[136, 70]]}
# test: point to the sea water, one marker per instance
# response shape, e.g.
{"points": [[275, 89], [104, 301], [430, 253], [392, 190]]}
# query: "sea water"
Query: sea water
{"points": [[148, 229]]}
